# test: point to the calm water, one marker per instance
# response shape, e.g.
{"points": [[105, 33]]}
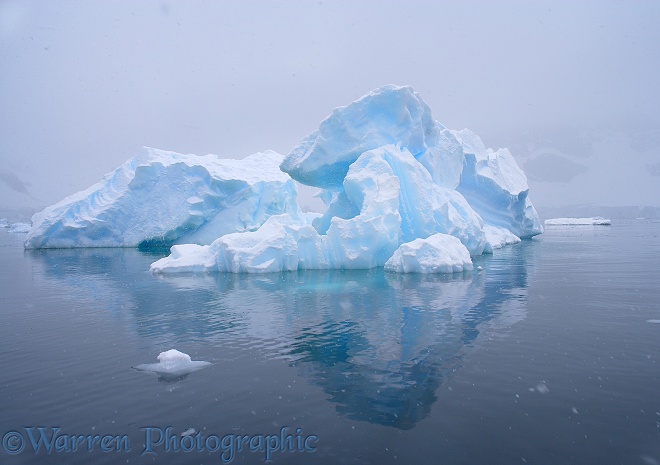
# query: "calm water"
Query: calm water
{"points": [[549, 355]]}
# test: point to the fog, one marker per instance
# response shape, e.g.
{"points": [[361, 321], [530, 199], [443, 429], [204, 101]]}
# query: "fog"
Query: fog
{"points": [[570, 87]]}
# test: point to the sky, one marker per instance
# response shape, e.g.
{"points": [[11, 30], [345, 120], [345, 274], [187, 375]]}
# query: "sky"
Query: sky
{"points": [[571, 87]]}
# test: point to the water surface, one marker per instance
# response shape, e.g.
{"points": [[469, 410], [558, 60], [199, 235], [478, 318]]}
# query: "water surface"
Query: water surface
{"points": [[548, 355]]}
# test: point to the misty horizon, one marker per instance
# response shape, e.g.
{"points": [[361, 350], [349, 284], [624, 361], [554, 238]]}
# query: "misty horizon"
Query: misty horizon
{"points": [[568, 88]]}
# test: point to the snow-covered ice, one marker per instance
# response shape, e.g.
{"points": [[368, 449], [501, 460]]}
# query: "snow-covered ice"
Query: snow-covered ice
{"points": [[19, 228], [499, 237], [164, 198], [396, 183], [595, 221], [173, 364], [4, 223], [439, 253]]}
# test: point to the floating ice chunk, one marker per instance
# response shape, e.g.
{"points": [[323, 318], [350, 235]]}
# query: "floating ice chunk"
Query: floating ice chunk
{"points": [[187, 258], [499, 237], [173, 364], [19, 228], [273, 247], [439, 253], [161, 198], [595, 221], [653, 321], [4, 223], [496, 187]]}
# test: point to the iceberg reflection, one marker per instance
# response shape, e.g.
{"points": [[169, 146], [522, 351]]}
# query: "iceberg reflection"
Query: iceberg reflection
{"points": [[379, 344]]}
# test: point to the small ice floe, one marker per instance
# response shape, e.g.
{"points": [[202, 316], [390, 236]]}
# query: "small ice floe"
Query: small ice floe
{"points": [[4, 223], [173, 365], [19, 228], [653, 321], [595, 221]]}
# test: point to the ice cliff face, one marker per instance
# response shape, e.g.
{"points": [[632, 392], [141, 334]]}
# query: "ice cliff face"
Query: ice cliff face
{"points": [[389, 115], [162, 198], [387, 199], [401, 191], [491, 182], [496, 187]]}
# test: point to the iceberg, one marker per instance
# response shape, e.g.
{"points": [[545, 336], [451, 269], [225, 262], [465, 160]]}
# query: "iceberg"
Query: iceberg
{"points": [[595, 221], [160, 198], [173, 364], [396, 203], [400, 189], [19, 228]]}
